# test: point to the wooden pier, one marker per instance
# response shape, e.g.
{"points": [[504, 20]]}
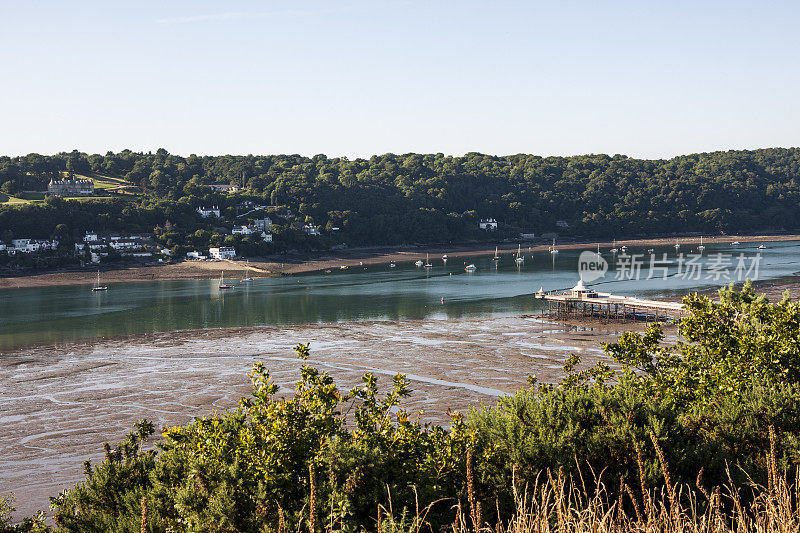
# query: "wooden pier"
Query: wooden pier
{"points": [[581, 301]]}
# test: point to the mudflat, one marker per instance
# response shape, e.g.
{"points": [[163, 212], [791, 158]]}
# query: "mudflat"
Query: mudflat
{"points": [[61, 402]]}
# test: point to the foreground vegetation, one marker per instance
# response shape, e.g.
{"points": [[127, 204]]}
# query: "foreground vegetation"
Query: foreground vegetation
{"points": [[701, 435]]}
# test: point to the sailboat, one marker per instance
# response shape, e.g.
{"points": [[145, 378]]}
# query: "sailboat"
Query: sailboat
{"points": [[99, 287], [614, 249], [553, 249], [470, 268], [419, 262], [701, 247], [519, 258], [222, 284], [248, 278], [677, 246], [598, 249], [496, 256], [444, 258], [427, 263]]}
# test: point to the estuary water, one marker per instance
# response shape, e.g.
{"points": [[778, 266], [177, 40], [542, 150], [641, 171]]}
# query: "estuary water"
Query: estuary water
{"points": [[46, 315]]}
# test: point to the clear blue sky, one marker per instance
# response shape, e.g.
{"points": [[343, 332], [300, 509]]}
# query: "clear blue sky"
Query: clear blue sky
{"points": [[643, 78]]}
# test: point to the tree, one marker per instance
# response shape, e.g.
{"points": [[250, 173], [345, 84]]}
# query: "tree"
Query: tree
{"points": [[727, 346]]}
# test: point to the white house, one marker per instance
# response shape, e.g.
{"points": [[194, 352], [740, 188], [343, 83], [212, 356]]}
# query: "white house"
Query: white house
{"points": [[242, 230], [20, 243], [562, 224], [90, 236], [223, 252], [124, 244], [266, 236], [311, 230], [219, 187], [193, 255], [206, 212], [96, 245], [2, 246], [487, 224]]}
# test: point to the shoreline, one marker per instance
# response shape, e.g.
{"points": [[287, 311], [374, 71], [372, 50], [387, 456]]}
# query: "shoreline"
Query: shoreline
{"points": [[196, 270]]}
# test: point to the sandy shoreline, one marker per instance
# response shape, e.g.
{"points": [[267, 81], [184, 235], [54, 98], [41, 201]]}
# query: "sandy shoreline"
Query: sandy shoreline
{"points": [[368, 256]]}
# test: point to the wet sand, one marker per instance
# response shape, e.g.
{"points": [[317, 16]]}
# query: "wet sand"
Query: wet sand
{"points": [[288, 265], [60, 403]]}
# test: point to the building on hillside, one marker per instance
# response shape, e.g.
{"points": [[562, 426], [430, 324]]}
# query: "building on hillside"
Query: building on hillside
{"points": [[487, 224], [125, 244], [263, 224], [206, 212], [27, 246], [70, 188], [562, 224], [223, 252], [266, 236], [219, 187], [90, 236], [311, 230], [242, 230]]}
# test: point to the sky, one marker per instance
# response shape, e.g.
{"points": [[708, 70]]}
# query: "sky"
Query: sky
{"points": [[650, 79]]}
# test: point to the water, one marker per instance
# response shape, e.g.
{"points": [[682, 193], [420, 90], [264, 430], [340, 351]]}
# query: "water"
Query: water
{"points": [[57, 314]]}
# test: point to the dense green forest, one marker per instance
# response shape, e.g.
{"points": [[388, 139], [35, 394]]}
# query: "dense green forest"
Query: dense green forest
{"points": [[420, 198]]}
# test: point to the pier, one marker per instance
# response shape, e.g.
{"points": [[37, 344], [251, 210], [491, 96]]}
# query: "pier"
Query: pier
{"points": [[581, 301]]}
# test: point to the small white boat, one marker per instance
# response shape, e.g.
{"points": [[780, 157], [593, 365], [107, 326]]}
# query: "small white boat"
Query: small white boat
{"points": [[444, 258], [553, 249], [99, 287], [614, 249], [735, 243], [677, 245], [650, 251], [427, 263], [470, 268], [392, 265], [419, 263], [762, 247], [519, 258], [222, 285], [496, 255], [701, 247], [623, 248]]}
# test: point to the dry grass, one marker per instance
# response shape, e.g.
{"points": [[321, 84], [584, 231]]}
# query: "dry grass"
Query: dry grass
{"points": [[557, 505]]}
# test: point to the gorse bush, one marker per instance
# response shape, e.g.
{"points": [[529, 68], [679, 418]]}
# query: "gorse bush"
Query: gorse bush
{"points": [[271, 460], [721, 408]]}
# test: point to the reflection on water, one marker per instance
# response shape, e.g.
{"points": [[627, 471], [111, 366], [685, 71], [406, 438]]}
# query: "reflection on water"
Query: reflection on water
{"points": [[57, 314]]}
